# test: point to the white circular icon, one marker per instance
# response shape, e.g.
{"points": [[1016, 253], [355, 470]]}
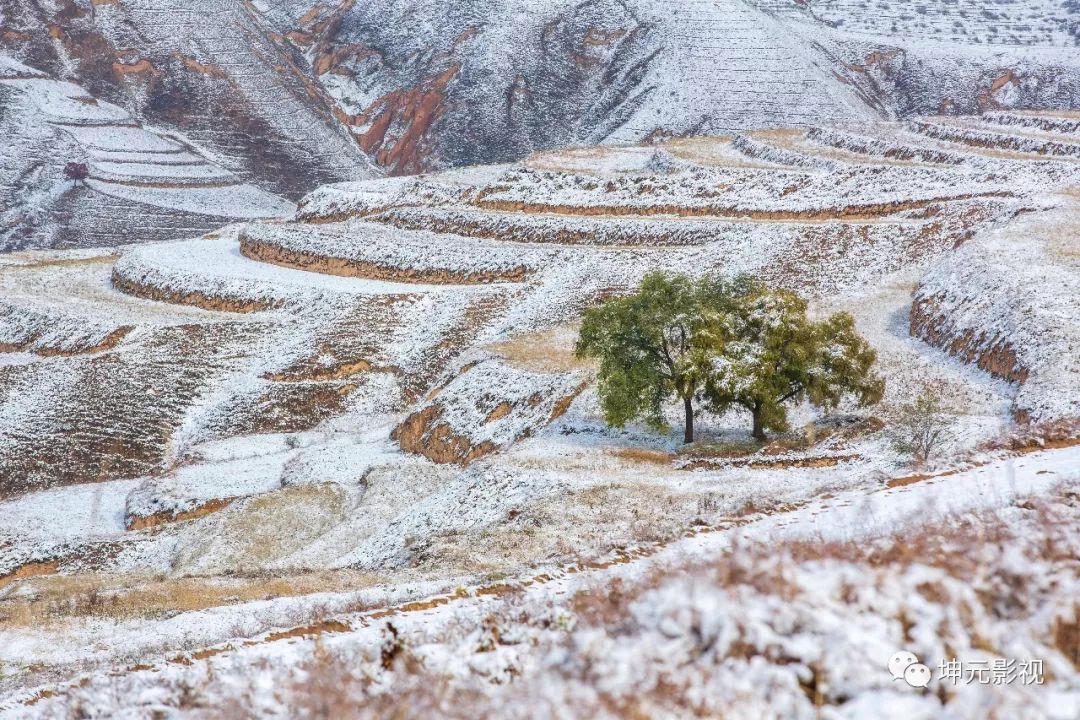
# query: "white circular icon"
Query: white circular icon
{"points": [[917, 675], [900, 662]]}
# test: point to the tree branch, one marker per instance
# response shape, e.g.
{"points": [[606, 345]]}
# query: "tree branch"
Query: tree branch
{"points": [[796, 388]]}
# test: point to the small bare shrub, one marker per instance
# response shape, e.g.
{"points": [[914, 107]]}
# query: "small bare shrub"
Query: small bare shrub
{"points": [[922, 429]]}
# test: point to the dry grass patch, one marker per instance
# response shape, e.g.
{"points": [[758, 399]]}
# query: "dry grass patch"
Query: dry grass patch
{"points": [[37, 264], [644, 456], [55, 600], [250, 535], [713, 151], [577, 526], [572, 160], [548, 351]]}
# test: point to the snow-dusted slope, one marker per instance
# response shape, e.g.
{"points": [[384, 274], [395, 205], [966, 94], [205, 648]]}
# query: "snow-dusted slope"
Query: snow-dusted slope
{"points": [[476, 83], [378, 294], [383, 390], [214, 70], [296, 93], [792, 614], [143, 184]]}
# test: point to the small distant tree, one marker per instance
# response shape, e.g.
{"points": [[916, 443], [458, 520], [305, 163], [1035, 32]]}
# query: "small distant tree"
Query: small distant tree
{"points": [[76, 172], [923, 428], [774, 356], [725, 342]]}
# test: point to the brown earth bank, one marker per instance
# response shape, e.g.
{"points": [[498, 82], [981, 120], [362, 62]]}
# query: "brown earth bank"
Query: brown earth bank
{"points": [[194, 183], [873, 147], [142, 522], [193, 298], [851, 212], [463, 224], [30, 345], [996, 356], [29, 570], [998, 141], [309, 372], [758, 463], [346, 267], [425, 433]]}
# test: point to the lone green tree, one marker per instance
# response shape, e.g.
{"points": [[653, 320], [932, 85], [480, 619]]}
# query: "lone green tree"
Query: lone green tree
{"points": [[774, 355], [726, 343], [656, 344]]}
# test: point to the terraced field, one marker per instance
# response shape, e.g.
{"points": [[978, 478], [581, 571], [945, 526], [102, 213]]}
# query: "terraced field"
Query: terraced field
{"points": [[999, 22], [143, 185], [388, 375]]}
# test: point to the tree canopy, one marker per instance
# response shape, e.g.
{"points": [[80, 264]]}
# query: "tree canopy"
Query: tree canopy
{"points": [[725, 343], [75, 172]]}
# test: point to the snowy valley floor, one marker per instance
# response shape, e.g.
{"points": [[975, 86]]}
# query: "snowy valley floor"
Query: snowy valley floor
{"points": [[788, 614]]}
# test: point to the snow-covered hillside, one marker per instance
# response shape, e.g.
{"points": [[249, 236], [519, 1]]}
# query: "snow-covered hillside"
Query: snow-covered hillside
{"points": [[379, 305], [293, 94], [289, 96], [143, 185], [792, 615]]}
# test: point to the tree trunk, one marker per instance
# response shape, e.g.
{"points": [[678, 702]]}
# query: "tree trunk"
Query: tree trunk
{"points": [[688, 405], [759, 427]]}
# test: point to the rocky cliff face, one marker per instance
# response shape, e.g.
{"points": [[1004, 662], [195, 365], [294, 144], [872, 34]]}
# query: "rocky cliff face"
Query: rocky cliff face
{"points": [[295, 93]]}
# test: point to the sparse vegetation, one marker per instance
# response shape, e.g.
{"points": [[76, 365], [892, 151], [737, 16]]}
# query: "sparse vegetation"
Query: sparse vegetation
{"points": [[923, 428], [745, 632], [59, 599]]}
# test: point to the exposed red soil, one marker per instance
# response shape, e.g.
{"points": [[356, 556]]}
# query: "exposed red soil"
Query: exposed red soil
{"points": [[108, 343], [29, 570], [425, 433], [193, 298], [851, 212], [339, 371], [347, 267], [327, 626], [142, 522]]}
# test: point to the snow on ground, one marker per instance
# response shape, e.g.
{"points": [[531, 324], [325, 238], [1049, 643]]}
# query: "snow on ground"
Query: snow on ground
{"points": [[736, 190], [383, 247], [150, 172], [69, 103], [1008, 301], [216, 267], [125, 139], [189, 488], [142, 182], [775, 623], [284, 396], [10, 68], [43, 526], [231, 202]]}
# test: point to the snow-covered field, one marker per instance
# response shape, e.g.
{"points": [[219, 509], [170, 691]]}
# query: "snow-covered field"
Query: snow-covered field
{"points": [[299, 425]]}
